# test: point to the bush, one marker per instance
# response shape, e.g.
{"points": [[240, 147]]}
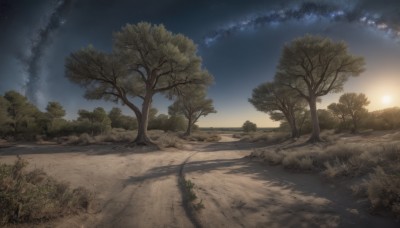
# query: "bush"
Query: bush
{"points": [[249, 126], [27, 197], [167, 140], [383, 191]]}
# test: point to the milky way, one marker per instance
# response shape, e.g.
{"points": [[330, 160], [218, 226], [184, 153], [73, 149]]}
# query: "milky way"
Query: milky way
{"points": [[309, 12], [38, 45]]}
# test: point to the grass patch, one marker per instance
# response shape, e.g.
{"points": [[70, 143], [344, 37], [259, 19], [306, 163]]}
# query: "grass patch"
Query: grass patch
{"points": [[169, 140], [379, 165], [32, 197], [191, 195], [201, 136], [269, 137]]}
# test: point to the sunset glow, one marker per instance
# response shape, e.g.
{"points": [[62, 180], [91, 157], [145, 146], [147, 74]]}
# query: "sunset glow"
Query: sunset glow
{"points": [[387, 99]]}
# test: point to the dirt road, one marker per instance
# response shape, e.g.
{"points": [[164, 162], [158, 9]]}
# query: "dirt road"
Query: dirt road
{"points": [[141, 188]]}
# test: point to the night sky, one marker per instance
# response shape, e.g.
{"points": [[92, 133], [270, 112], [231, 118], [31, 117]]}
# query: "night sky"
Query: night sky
{"points": [[240, 43]]}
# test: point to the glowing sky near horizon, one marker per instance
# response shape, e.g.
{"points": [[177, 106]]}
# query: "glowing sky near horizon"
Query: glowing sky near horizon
{"points": [[240, 43]]}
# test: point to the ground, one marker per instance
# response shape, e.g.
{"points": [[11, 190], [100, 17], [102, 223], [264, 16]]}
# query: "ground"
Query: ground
{"points": [[142, 188]]}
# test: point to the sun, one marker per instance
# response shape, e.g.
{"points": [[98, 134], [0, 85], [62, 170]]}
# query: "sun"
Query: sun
{"points": [[387, 99]]}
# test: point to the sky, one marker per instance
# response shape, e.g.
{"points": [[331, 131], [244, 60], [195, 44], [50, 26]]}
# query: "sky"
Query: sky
{"points": [[239, 41]]}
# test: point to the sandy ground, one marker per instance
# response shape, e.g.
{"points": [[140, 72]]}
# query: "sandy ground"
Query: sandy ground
{"points": [[139, 188]]}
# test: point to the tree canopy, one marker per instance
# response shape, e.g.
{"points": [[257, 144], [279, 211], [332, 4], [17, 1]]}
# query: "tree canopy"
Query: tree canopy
{"points": [[314, 66], [279, 102], [146, 60], [193, 104]]}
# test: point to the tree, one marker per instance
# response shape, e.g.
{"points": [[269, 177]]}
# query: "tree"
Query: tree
{"points": [[279, 102], [119, 120], [55, 110], [390, 118], [192, 104], [22, 114], [339, 111], [4, 117], [146, 60], [313, 67], [98, 120], [249, 126], [354, 105]]}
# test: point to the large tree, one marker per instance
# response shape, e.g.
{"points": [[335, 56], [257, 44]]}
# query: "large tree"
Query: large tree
{"points": [[146, 60], [280, 103], [193, 104], [314, 66], [354, 105]]}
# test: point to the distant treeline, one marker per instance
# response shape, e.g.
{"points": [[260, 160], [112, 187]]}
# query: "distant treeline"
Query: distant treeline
{"points": [[21, 120]]}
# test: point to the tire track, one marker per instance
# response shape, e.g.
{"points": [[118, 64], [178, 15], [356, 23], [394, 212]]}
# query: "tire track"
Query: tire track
{"points": [[189, 210]]}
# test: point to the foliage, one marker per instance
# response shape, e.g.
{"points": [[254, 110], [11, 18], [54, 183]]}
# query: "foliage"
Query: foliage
{"points": [[249, 126], [281, 103], [192, 104], [146, 60], [95, 122], [31, 197], [380, 163], [55, 110], [313, 67], [118, 120], [351, 108], [168, 123], [22, 116]]}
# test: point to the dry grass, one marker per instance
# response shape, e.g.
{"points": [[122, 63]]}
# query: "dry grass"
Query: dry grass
{"points": [[202, 136], [379, 165], [270, 137], [31, 197], [169, 140]]}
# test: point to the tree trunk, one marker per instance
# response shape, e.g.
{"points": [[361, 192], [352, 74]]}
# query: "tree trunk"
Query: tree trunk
{"points": [[189, 129], [314, 121], [293, 127], [355, 125], [142, 139]]}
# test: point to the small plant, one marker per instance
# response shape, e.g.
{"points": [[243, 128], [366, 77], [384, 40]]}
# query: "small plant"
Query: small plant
{"points": [[31, 197], [189, 187], [198, 206], [192, 197]]}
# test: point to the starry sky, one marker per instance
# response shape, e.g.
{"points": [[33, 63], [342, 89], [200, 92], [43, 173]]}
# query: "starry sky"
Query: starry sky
{"points": [[240, 43]]}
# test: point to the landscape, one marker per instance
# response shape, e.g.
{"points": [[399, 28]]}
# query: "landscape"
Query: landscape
{"points": [[208, 114]]}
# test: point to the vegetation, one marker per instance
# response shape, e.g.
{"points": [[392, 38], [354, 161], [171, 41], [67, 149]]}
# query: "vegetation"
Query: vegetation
{"points": [[313, 67], [146, 60], [119, 120], [281, 103], [28, 197], [249, 126], [351, 105], [192, 104], [379, 164]]}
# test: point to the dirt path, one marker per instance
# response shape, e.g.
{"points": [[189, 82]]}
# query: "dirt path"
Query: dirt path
{"points": [[141, 189]]}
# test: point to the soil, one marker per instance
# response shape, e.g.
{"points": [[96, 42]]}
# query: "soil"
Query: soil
{"points": [[138, 187]]}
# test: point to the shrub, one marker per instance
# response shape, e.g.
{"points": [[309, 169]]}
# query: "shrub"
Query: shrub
{"points": [[383, 191], [27, 197], [167, 140], [249, 126], [202, 137]]}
